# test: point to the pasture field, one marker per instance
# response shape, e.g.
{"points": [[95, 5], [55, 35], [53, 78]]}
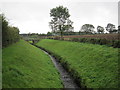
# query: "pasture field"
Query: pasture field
{"points": [[96, 65], [25, 66]]}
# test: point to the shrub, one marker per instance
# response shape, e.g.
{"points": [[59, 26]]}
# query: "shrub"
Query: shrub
{"points": [[113, 43], [83, 40], [116, 44], [92, 40], [57, 38], [75, 39], [103, 41], [10, 34]]}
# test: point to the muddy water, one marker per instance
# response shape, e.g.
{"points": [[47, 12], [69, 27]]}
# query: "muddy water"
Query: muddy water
{"points": [[68, 81]]}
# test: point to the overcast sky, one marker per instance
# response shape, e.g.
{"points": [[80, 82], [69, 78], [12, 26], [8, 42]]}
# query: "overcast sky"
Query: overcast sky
{"points": [[33, 15]]}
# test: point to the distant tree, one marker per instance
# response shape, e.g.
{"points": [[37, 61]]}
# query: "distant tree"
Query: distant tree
{"points": [[100, 29], [87, 28], [42, 34], [60, 15], [111, 28], [119, 29], [49, 33]]}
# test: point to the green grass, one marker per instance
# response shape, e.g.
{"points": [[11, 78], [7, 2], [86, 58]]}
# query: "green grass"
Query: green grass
{"points": [[25, 66], [97, 65], [30, 41]]}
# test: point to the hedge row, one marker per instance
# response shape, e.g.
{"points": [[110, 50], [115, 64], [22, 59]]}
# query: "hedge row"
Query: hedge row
{"points": [[10, 34], [113, 43]]}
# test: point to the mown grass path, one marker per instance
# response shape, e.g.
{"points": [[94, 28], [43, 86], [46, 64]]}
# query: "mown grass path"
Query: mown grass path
{"points": [[96, 65], [25, 66]]}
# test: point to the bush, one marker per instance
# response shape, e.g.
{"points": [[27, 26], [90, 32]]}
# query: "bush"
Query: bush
{"points": [[10, 34], [57, 38], [75, 39], [82, 39], [116, 44], [103, 41], [92, 40], [113, 43]]}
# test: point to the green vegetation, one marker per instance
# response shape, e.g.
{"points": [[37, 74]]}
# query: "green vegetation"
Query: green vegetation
{"points": [[96, 65], [30, 41], [60, 22], [25, 66], [87, 28], [112, 43], [10, 34]]}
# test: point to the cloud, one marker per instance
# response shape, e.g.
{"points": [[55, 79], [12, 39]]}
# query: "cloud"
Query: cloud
{"points": [[33, 16]]}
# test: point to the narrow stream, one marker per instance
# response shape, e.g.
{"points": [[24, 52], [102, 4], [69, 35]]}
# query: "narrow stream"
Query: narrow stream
{"points": [[67, 80]]}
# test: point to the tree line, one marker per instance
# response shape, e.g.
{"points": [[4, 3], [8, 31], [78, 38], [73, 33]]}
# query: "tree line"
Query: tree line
{"points": [[10, 34], [62, 25], [89, 28]]}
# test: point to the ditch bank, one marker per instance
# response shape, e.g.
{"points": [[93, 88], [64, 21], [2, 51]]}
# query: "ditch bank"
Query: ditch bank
{"points": [[69, 76]]}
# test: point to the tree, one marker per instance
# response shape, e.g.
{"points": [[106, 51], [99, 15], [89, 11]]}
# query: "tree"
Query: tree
{"points": [[53, 26], [10, 34], [87, 28], [49, 34], [119, 29], [111, 28], [4, 29], [68, 28], [100, 29], [60, 16]]}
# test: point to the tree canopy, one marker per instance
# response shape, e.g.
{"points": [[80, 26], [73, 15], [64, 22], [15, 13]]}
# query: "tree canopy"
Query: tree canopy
{"points": [[100, 29], [59, 13], [60, 20], [119, 29], [10, 34], [87, 28], [111, 28]]}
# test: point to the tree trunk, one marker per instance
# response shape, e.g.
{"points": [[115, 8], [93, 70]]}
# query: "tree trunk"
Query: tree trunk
{"points": [[61, 33]]}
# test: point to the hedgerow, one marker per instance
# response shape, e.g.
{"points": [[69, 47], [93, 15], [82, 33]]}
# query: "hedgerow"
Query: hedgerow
{"points": [[10, 34], [113, 43]]}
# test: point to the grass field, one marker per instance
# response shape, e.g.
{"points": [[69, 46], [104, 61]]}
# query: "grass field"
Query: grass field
{"points": [[25, 66], [97, 65]]}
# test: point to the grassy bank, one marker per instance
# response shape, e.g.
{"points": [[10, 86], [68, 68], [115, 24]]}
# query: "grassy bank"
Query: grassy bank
{"points": [[97, 65], [25, 66]]}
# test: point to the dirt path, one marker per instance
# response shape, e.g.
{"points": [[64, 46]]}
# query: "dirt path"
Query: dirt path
{"points": [[67, 80]]}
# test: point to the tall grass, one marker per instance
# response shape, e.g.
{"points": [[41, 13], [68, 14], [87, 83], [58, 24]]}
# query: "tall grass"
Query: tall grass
{"points": [[25, 66], [96, 65]]}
